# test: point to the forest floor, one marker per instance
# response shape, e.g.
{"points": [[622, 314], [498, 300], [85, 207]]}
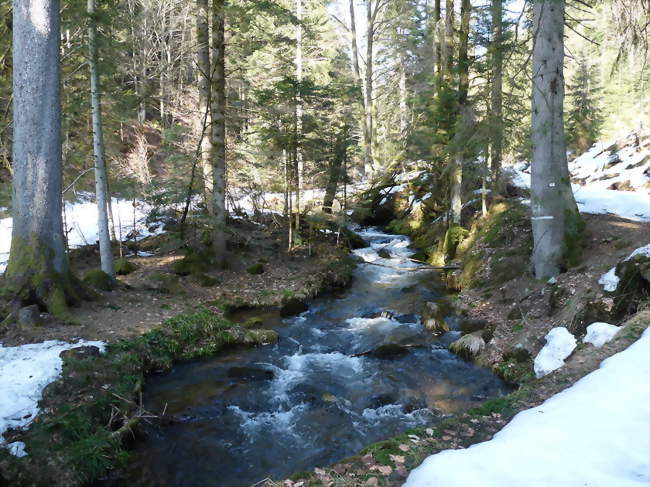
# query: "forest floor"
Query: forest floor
{"points": [[153, 292]]}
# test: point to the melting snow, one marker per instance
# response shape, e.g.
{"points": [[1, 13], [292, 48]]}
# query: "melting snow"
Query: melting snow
{"points": [[25, 371], [598, 334], [610, 280], [559, 345], [579, 437]]}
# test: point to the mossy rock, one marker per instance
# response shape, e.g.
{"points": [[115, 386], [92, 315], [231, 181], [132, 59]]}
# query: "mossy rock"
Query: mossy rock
{"points": [[194, 262], [253, 322], [633, 286], [514, 371], [98, 279], [353, 239], [124, 267], [292, 306], [256, 269], [261, 337], [205, 280], [165, 283], [468, 346]]}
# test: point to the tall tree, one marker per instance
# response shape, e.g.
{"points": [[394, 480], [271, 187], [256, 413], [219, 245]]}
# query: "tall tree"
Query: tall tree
{"points": [[204, 69], [38, 268], [218, 132], [496, 92], [101, 186], [300, 169], [367, 135], [557, 225], [456, 160]]}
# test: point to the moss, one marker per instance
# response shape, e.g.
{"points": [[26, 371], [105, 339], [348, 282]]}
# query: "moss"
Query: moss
{"points": [[256, 269], [206, 281], [253, 322], [499, 405], [454, 236], [513, 371], [165, 283], [98, 279], [194, 262], [30, 278], [124, 267], [574, 229]]}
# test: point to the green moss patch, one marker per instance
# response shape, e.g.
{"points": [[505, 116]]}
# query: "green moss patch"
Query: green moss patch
{"points": [[98, 279], [124, 267], [80, 435]]}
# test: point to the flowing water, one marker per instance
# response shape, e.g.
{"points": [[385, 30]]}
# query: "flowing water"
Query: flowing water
{"points": [[317, 396]]}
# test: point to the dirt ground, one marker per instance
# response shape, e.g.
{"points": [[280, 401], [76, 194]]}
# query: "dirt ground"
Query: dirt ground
{"points": [[142, 302], [524, 309]]}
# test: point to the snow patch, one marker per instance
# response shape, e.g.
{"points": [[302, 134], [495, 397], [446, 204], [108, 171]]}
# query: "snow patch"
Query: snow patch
{"points": [[610, 280], [559, 345], [598, 334], [25, 371], [575, 438]]}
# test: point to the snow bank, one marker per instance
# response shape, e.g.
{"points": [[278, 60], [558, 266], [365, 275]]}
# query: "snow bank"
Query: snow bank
{"points": [[559, 345], [579, 437], [81, 221], [610, 280], [598, 334], [25, 371], [598, 170]]}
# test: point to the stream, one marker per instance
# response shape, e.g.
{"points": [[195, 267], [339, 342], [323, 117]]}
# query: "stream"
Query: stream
{"points": [[318, 395]]}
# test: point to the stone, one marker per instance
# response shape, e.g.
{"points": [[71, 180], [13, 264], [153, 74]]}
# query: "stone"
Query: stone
{"points": [[30, 316], [124, 266], [293, 306], [469, 325], [261, 337], [80, 353], [389, 351], [384, 254], [518, 353], [468, 346], [256, 269], [250, 374]]}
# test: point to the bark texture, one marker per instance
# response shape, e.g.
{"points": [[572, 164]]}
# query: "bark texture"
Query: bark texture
{"points": [[204, 80], [38, 267], [218, 133], [496, 92], [557, 226], [105, 249]]}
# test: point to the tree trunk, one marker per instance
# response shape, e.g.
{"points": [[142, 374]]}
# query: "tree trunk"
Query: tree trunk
{"points": [[38, 268], [403, 99], [368, 133], [357, 72], [557, 225], [446, 42], [340, 150], [496, 95], [218, 138], [456, 169], [105, 249], [204, 82], [300, 169], [435, 38]]}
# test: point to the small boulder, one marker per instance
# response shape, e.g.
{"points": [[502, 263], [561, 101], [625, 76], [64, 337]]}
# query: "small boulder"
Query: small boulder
{"points": [[518, 353], [384, 254], [250, 374], [469, 325], [293, 306], [80, 353], [468, 346], [30, 316], [261, 337], [98, 279], [124, 267], [256, 269], [389, 351]]}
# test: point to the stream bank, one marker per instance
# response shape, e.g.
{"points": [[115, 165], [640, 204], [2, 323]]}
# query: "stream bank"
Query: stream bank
{"points": [[84, 428], [358, 366]]}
